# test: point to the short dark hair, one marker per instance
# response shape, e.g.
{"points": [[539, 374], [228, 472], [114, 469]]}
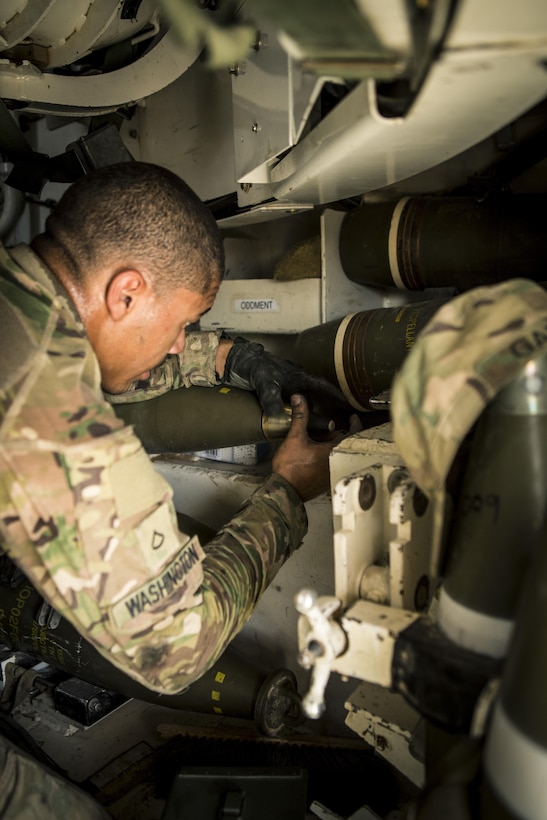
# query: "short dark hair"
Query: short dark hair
{"points": [[136, 213]]}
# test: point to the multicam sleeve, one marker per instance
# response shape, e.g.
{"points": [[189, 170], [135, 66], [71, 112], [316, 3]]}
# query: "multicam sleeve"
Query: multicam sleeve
{"points": [[99, 539], [194, 366], [472, 348], [237, 566], [244, 557]]}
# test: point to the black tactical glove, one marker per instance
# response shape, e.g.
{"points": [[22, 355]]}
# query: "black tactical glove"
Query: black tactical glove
{"points": [[274, 380]]}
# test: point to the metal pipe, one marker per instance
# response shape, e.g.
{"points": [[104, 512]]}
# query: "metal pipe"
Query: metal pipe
{"points": [[421, 242]]}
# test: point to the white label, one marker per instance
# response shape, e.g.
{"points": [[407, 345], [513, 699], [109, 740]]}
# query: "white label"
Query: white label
{"points": [[256, 306]]}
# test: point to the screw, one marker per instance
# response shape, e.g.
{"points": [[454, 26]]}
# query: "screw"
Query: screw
{"points": [[238, 68], [261, 41], [367, 492], [421, 594], [420, 502]]}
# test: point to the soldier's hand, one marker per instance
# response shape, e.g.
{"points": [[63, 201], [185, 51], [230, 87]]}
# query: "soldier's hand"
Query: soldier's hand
{"points": [[274, 380], [304, 463]]}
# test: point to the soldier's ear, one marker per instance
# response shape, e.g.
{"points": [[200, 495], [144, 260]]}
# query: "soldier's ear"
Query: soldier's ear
{"points": [[124, 293]]}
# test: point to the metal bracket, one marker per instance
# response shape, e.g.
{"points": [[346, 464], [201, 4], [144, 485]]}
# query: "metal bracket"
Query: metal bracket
{"points": [[323, 641]]}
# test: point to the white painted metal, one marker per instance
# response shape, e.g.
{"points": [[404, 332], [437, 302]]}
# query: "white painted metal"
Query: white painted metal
{"points": [[359, 538], [186, 127], [98, 93], [471, 91], [387, 536], [371, 631], [389, 533], [265, 305], [385, 721], [20, 19], [65, 32], [98, 29], [266, 212], [272, 99], [318, 628], [389, 20], [321, 811]]}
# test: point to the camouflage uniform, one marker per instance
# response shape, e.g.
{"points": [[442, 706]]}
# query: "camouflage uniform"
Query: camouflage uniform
{"points": [[91, 523], [30, 791], [474, 346]]}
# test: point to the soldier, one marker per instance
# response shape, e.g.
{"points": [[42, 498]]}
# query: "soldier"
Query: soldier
{"points": [[474, 347], [32, 790], [97, 307]]}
